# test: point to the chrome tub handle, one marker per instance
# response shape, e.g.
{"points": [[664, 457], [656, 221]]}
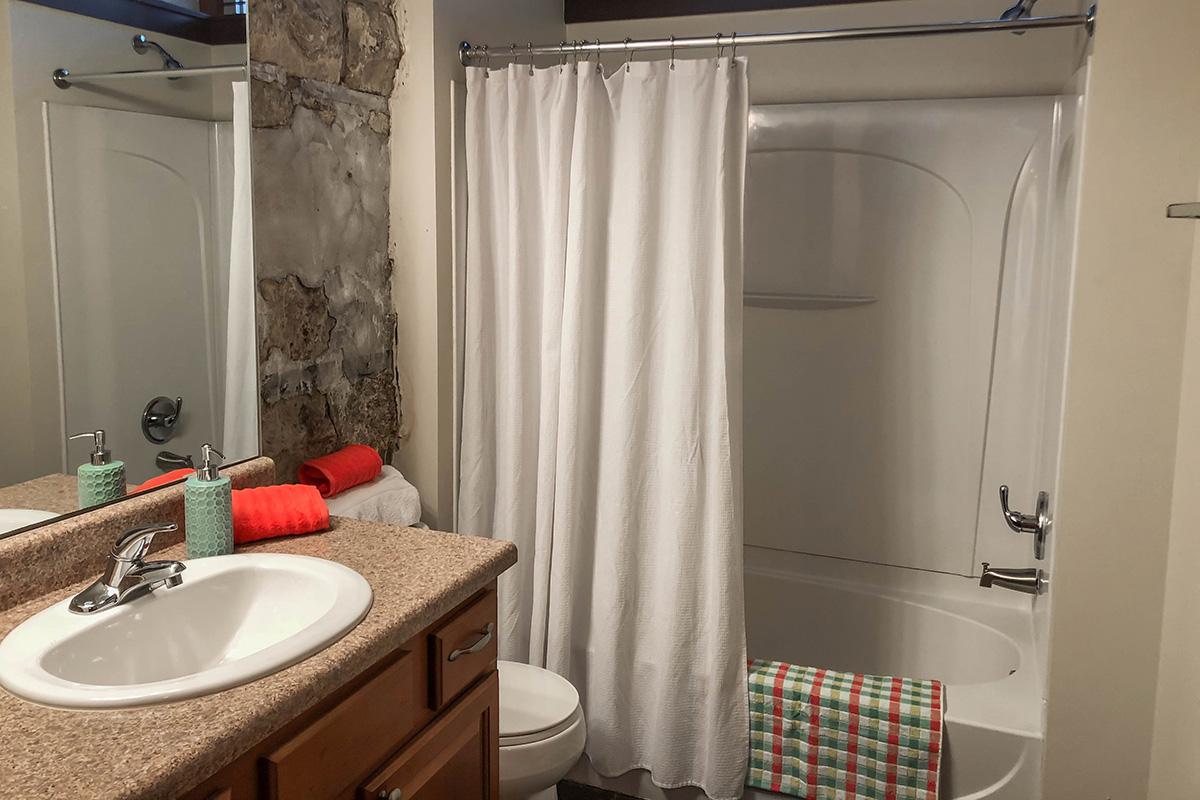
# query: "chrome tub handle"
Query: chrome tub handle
{"points": [[1037, 523], [480, 643]]}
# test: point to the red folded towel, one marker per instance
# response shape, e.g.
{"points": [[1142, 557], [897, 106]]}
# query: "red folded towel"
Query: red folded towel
{"points": [[267, 512], [162, 480], [337, 472]]}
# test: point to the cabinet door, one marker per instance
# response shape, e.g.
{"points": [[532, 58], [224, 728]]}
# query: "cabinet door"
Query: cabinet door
{"points": [[329, 757], [455, 757]]}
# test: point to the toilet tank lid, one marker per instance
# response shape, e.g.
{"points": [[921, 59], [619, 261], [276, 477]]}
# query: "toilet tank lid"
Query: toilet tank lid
{"points": [[533, 699]]}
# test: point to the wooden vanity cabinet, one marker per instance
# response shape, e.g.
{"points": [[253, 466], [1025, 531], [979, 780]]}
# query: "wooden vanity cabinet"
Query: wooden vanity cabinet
{"points": [[451, 759], [414, 726]]}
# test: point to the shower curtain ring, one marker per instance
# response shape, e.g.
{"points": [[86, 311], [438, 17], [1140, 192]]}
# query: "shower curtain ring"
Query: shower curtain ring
{"points": [[720, 48], [599, 66], [562, 55], [733, 51], [529, 47], [628, 53], [672, 51], [487, 61]]}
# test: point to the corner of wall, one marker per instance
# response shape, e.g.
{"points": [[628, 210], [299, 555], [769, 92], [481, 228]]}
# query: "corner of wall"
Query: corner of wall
{"points": [[1128, 318], [423, 226], [1174, 770]]}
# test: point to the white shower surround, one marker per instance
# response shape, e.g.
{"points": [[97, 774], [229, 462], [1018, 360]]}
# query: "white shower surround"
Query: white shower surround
{"points": [[958, 216], [124, 301], [880, 431]]}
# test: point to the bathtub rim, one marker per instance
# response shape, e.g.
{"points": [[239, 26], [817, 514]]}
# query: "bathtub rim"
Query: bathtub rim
{"points": [[1011, 704]]}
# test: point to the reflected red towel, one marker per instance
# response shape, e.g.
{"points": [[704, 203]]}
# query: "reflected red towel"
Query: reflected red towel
{"points": [[267, 512], [337, 472], [161, 480]]}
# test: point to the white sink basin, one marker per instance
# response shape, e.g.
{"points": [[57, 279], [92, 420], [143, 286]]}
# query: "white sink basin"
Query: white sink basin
{"points": [[13, 518], [233, 619]]}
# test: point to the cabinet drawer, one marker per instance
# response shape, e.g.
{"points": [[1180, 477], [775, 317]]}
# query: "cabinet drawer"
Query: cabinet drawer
{"points": [[462, 650], [345, 744], [455, 757]]}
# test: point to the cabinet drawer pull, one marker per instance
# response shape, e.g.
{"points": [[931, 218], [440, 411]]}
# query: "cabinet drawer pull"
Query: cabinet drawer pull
{"points": [[480, 643]]}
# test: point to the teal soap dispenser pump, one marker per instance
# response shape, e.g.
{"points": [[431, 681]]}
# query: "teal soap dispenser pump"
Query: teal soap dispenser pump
{"points": [[101, 480], [208, 508]]}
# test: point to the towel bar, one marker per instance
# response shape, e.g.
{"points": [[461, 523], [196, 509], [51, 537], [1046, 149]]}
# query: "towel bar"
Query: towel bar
{"points": [[804, 302]]}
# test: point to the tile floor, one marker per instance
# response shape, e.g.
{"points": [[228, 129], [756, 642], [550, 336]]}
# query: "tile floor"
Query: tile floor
{"points": [[569, 790]]}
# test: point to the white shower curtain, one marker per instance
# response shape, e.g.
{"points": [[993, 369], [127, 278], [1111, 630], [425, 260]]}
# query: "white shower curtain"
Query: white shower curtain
{"points": [[601, 397], [239, 438]]}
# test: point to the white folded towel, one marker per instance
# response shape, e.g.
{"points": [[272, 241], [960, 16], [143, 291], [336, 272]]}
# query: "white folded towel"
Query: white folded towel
{"points": [[389, 498]]}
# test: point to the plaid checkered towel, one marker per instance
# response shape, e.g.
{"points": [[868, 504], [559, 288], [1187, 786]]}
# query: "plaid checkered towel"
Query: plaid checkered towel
{"points": [[825, 735]]}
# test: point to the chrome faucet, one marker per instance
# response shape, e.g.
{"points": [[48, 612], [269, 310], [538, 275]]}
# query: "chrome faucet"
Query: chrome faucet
{"points": [[1029, 581], [127, 574]]}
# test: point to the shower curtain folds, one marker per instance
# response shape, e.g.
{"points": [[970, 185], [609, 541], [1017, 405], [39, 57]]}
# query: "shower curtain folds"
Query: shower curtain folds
{"points": [[239, 439], [601, 399]]}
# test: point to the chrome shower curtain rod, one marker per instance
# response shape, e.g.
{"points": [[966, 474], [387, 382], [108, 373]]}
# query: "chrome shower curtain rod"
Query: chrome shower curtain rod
{"points": [[65, 79], [475, 55]]}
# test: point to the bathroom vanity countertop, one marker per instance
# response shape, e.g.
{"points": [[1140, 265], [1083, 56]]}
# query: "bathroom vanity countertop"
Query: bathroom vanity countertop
{"points": [[57, 493], [166, 750]]}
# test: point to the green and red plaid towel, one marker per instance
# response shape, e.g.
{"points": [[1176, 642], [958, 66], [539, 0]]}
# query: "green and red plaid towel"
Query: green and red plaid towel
{"points": [[825, 735]]}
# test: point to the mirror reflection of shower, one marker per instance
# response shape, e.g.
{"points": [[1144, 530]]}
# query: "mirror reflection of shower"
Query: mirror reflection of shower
{"points": [[172, 68], [146, 186]]}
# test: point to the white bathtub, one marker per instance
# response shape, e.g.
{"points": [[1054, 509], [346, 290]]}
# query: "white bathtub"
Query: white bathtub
{"points": [[847, 615], [979, 643]]}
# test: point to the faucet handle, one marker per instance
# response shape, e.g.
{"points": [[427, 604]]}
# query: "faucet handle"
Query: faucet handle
{"points": [[133, 544], [1037, 523]]}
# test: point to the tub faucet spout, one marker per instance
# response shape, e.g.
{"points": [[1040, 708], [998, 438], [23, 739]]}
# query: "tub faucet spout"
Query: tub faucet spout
{"points": [[1029, 581]]}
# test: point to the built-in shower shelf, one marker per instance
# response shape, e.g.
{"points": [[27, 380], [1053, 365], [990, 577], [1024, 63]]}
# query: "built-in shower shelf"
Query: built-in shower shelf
{"points": [[804, 302]]}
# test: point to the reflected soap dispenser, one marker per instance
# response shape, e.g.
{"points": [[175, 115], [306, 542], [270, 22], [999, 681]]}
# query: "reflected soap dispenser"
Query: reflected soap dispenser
{"points": [[102, 479], [208, 508]]}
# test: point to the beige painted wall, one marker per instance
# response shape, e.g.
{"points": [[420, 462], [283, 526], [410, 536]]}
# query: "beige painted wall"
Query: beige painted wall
{"points": [[423, 232], [1141, 129], [38, 40], [414, 198], [1174, 767]]}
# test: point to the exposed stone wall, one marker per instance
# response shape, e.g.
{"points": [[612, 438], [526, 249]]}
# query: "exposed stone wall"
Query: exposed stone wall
{"points": [[321, 73]]}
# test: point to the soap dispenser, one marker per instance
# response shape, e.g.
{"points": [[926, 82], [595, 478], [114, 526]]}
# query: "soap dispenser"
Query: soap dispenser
{"points": [[208, 508], [102, 479]]}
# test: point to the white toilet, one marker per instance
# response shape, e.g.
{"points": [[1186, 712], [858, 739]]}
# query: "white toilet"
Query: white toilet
{"points": [[541, 731]]}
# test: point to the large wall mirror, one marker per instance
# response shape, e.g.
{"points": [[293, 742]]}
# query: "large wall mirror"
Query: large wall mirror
{"points": [[126, 277]]}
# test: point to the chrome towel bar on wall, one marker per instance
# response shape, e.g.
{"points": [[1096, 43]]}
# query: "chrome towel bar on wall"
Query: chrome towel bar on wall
{"points": [[804, 302]]}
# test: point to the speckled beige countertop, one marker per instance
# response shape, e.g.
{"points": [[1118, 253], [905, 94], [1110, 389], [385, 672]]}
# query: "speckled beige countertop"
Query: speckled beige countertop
{"points": [[57, 493], [163, 751]]}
